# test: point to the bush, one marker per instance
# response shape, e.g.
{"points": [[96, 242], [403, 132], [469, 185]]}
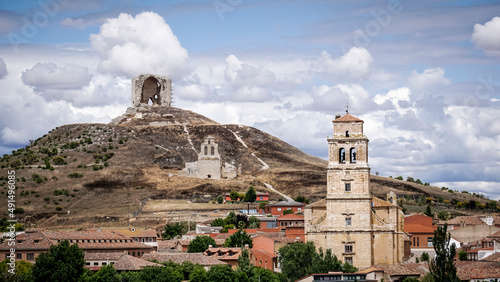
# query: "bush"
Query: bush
{"points": [[75, 175], [58, 208], [58, 160], [287, 212]]}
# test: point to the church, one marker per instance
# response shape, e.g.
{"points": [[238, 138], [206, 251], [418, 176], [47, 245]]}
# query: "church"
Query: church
{"points": [[360, 229]]}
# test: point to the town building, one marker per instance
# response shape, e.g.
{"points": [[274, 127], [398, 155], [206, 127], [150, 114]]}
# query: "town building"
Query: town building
{"points": [[360, 229], [262, 197], [278, 208], [227, 255]]}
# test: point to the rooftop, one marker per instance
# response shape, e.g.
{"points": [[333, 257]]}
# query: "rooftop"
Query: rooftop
{"points": [[196, 258], [348, 118]]}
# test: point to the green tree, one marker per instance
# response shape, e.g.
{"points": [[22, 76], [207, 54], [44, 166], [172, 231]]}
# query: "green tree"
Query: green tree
{"points": [[234, 195], [239, 239], [261, 274], [173, 230], [200, 244], [253, 222], [220, 199], [410, 279], [442, 267], [296, 259], [244, 264], [250, 195], [199, 274], [427, 278], [428, 211], [62, 263], [22, 271], [231, 218], [424, 257], [159, 273], [301, 199], [462, 255], [492, 205], [325, 262], [285, 212], [218, 222], [227, 227], [107, 273], [443, 215], [221, 273]]}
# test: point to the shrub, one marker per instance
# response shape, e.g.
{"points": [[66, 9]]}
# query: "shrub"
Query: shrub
{"points": [[58, 208], [75, 175]]}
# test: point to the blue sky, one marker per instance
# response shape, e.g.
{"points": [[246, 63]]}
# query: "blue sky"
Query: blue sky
{"points": [[423, 75]]}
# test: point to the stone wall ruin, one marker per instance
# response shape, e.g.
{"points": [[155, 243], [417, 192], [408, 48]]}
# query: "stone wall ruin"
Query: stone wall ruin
{"points": [[152, 88]]}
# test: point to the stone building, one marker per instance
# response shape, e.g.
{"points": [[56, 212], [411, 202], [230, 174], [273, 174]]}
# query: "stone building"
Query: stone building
{"points": [[361, 230], [151, 88], [209, 164]]}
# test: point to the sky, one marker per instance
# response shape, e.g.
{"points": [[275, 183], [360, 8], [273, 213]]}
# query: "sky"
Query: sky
{"points": [[423, 75]]}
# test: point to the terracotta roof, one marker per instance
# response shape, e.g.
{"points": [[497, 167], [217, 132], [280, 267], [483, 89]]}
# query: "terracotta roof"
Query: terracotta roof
{"points": [[392, 270], [493, 257], [29, 241], [136, 233], [347, 118], [286, 204], [103, 256], [127, 263], [224, 253], [168, 244], [470, 220], [417, 228], [196, 258], [318, 204], [467, 270], [291, 216], [380, 203]]}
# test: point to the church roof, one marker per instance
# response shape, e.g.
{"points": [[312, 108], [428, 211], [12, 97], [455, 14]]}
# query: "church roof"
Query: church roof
{"points": [[347, 118]]}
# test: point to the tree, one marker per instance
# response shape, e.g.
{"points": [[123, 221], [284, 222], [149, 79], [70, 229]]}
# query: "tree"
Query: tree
{"points": [[285, 212], [221, 273], [199, 274], [158, 273], [442, 267], [443, 215], [424, 257], [301, 199], [492, 205], [239, 239], [231, 218], [22, 271], [296, 259], [244, 264], [234, 195], [173, 230], [253, 222], [106, 273], [218, 222], [250, 195], [227, 227], [200, 244], [62, 263], [325, 262], [428, 211], [462, 255], [220, 199]]}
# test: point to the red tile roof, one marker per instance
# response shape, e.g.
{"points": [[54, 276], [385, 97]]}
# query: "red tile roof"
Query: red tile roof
{"points": [[467, 270], [196, 258], [417, 228], [291, 216], [128, 263], [224, 253], [348, 118]]}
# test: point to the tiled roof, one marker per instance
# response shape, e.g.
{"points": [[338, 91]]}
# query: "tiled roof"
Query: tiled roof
{"points": [[103, 256], [467, 270], [493, 257], [380, 203], [136, 233], [29, 241], [347, 118], [397, 269], [417, 228], [168, 244], [127, 263], [469, 220], [286, 204], [291, 216], [318, 204], [224, 253], [196, 258]]}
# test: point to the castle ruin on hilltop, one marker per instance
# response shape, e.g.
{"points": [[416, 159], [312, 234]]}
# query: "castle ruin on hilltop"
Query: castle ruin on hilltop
{"points": [[151, 87]]}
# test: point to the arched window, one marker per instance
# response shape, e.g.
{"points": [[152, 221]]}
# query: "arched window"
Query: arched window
{"points": [[206, 150], [342, 155], [347, 133], [212, 151], [353, 155]]}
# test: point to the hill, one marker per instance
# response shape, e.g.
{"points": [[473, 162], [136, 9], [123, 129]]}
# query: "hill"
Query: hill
{"points": [[82, 175]]}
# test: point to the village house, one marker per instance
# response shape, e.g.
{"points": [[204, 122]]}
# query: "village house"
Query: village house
{"points": [[278, 208], [227, 255], [421, 229], [262, 197], [30, 244], [148, 237]]}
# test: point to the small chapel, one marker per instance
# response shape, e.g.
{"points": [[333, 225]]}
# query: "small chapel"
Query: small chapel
{"points": [[360, 229]]}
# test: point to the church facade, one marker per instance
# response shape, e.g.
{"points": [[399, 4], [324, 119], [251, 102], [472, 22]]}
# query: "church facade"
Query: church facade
{"points": [[359, 228]]}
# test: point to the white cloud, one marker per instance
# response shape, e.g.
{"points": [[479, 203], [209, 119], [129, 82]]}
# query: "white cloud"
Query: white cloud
{"points": [[49, 76], [3, 69], [486, 37], [428, 78], [129, 46], [355, 64]]}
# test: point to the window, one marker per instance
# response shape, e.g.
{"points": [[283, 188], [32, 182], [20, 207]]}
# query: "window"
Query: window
{"points": [[30, 256], [418, 241], [19, 256], [133, 254], [96, 263], [262, 198], [349, 260], [299, 209], [87, 263], [150, 240], [348, 248], [348, 187], [206, 150], [104, 263], [212, 151], [279, 209], [347, 133], [352, 155], [341, 155], [429, 242], [6, 256], [414, 241], [289, 208], [348, 221]]}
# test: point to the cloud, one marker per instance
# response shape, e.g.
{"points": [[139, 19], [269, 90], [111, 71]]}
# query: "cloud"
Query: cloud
{"points": [[355, 64], [486, 38], [428, 78], [128, 46], [49, 77], [3, 69]]}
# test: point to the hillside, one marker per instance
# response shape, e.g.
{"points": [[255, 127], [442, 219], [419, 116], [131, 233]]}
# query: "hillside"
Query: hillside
{"points": [[81, 175]]}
